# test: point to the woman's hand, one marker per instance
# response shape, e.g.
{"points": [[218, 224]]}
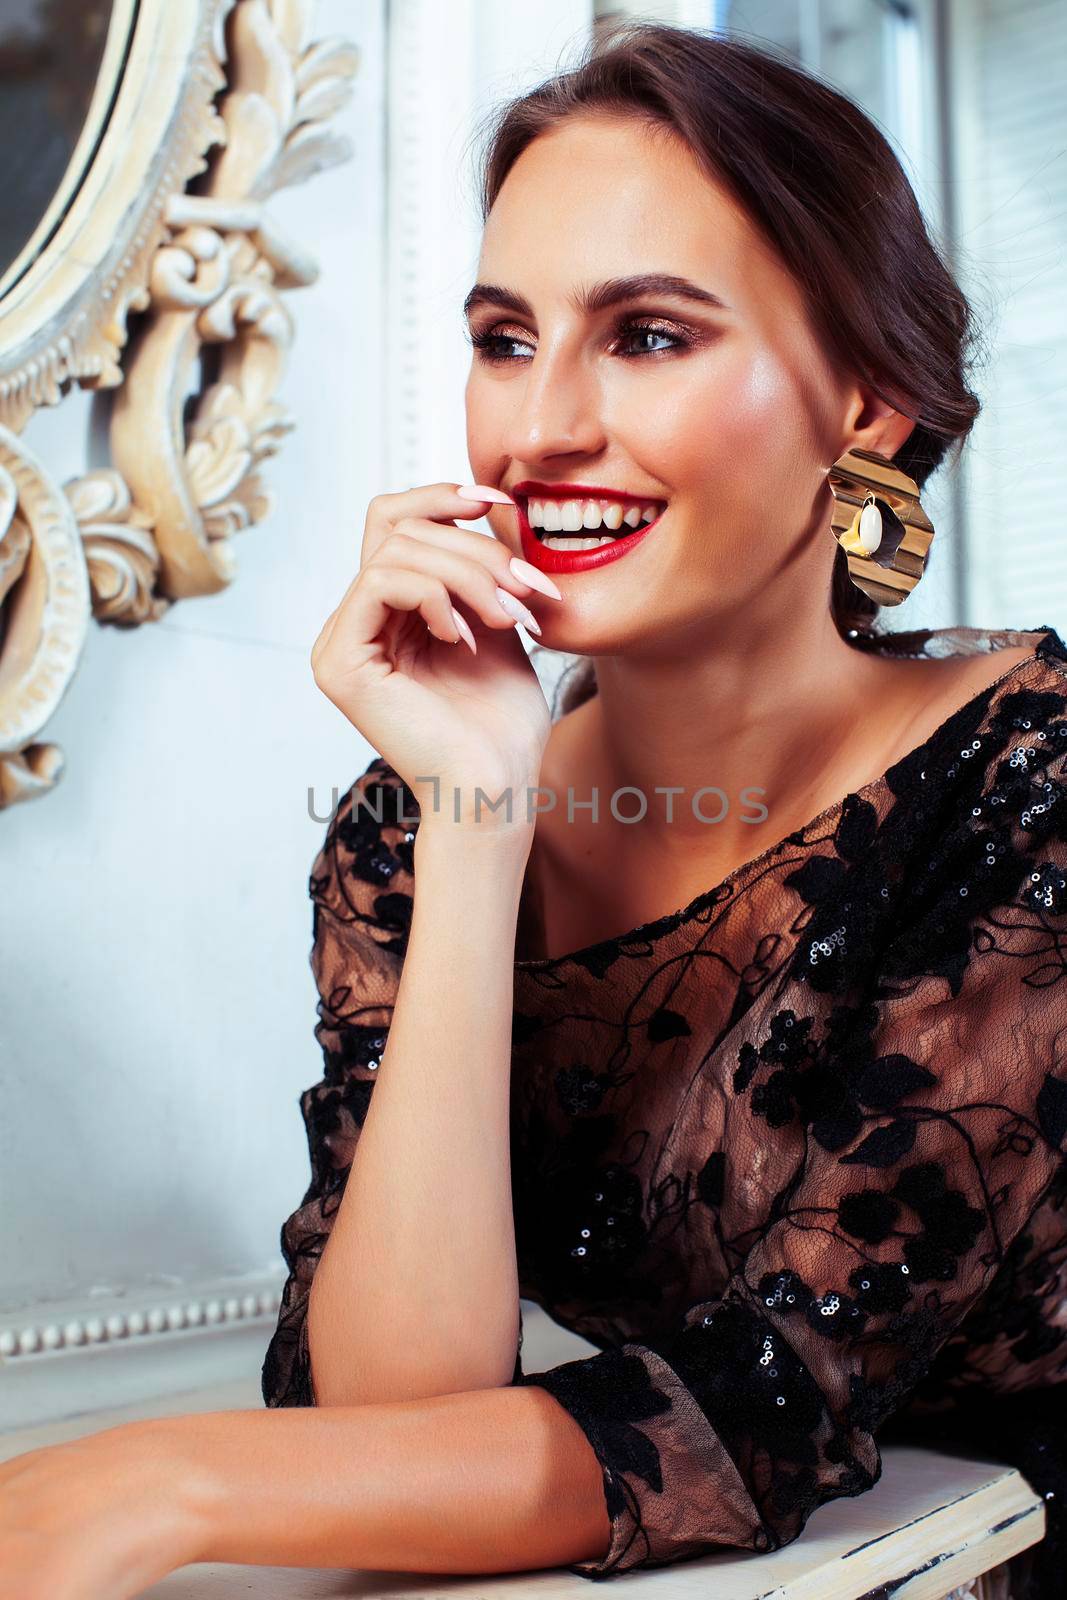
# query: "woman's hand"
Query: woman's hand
{"points": [[392, 659], [97, 1518]]}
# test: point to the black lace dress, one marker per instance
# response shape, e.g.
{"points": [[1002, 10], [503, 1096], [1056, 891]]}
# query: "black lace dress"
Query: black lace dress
{"points": [[791, 1158]]}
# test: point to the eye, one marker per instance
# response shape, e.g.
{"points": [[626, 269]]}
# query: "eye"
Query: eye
{"points": [[654, 330], [491, 344], [487, 343]]}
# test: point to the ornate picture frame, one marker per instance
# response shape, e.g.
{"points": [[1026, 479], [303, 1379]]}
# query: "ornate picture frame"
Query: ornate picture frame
{"points": [[160, 275]]}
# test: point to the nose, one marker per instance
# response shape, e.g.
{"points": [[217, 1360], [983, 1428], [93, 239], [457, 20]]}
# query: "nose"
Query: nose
{"points": [[557, 409]]}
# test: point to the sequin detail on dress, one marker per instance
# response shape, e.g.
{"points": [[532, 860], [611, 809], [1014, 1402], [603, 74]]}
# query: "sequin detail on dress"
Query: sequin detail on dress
{"points": [[791, 1158]]}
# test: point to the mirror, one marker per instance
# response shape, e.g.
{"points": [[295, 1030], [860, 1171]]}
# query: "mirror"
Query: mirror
{"points": [[59, 68]]}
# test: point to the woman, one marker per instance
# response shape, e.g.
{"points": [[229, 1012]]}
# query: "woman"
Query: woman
{"points": [[789, 1156]]}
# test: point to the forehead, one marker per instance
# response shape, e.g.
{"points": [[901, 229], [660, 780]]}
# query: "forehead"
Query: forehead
{"points": [[604, 196]]}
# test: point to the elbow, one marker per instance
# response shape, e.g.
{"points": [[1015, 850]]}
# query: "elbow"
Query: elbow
{"points": [[337, 1378], [393, 1385], [402, 1370]]}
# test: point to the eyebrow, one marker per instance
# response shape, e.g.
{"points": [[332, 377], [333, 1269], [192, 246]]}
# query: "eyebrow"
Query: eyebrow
{"points": [[600, 296]]}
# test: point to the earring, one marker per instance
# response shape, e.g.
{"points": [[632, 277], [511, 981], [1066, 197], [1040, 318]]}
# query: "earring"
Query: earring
{"points": [[880, 524]]}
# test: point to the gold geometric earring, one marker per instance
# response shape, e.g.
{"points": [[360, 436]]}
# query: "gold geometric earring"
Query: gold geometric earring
{"points": [[880, 524]]}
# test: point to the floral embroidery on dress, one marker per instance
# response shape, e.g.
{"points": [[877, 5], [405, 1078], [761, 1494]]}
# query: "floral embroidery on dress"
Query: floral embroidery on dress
{"points": [[791, 1157]]}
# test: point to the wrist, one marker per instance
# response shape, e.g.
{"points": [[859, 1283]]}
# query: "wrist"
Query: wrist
{"points": [[470, 873], [443, 835], [176, 1451], [506, 808], [156, 1486]]}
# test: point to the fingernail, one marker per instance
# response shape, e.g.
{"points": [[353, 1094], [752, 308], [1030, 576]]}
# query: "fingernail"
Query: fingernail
{"points": [[464, 630], [481, 491], [516, 609], [527, 573]]}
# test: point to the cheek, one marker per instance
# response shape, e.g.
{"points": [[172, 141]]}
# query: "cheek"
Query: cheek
{"points": [[483, 431], [745, 436]]}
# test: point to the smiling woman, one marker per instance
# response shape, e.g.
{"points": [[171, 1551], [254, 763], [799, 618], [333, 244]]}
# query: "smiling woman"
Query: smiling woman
{"points": [[785, 1127], [792, 233], [772, 1113]]}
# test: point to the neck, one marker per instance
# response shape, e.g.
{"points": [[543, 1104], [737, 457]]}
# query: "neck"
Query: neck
{"points": [[764, 711]]}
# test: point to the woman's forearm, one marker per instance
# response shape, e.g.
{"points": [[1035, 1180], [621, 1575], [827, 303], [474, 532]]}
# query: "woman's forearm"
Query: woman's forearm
{"points": [[416, 1292], [495, 1480]]}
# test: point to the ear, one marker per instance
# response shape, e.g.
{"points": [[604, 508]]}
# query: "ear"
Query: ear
{"points": [[872, 423]]}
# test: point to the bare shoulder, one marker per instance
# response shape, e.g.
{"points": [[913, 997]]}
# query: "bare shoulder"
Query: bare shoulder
{"points": [[931, 691], [980, 671], [951, 680]]}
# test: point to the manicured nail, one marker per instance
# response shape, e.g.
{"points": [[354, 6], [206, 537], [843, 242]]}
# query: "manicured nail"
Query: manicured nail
{"points": [[481, 491], [516, 609], [464, 630], [527, 573]]}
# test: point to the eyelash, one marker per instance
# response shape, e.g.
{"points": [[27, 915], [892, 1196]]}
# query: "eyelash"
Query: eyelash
{"points": [[486, 341]]}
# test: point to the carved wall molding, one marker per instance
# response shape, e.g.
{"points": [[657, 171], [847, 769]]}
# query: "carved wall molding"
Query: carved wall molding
{"points": [[164, 282], [147, 1317], [62, 1358]]}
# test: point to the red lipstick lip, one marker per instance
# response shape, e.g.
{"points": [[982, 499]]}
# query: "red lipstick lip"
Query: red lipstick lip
{"points": [[558, 561], [530, 488]]}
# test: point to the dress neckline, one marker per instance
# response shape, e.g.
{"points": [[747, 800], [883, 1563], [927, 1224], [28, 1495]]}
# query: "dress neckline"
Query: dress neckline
{"points": [[1044, 639]]}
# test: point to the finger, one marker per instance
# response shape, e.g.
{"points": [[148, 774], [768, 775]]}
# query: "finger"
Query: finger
{"points": [[489, 550], [324, 635], [367, 612], [382, 591], [437, 502], [387, 512], [468, 580], [475, 582]]}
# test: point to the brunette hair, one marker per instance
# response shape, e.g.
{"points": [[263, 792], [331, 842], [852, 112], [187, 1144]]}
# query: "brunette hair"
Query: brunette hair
{"points": [[823, 185]]}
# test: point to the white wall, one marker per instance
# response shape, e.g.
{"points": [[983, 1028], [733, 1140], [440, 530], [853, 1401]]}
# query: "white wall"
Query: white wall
{"points": [[157, 1004], [1008, 83], [155, 993]]}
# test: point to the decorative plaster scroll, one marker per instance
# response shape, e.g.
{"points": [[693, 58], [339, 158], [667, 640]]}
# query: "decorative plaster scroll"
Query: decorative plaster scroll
{"points": [[44, 613], [201, 481], [172, 297], [120, 551], [216, 285]]}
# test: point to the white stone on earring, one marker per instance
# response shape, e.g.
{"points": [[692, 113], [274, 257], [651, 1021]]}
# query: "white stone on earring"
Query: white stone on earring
{"points": [[870, 528]]}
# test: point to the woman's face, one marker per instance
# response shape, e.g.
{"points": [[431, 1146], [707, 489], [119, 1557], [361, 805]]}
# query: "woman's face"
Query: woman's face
{"points": [[730, 415]]}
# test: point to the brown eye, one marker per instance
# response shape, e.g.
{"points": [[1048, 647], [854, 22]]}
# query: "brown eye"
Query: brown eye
{"points": [[654, 330], [488, 343], [492, 345]]}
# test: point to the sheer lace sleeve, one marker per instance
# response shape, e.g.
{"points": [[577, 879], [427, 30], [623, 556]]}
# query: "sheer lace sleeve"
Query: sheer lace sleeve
{"points": [[361, 893], [929, 1125]]}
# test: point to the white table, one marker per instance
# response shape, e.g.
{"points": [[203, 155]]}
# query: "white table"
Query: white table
{"points": [[930, 1524]]}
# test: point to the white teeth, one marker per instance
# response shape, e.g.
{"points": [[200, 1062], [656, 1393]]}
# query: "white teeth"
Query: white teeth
{"points": [[571, 516], [553, 543]]}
